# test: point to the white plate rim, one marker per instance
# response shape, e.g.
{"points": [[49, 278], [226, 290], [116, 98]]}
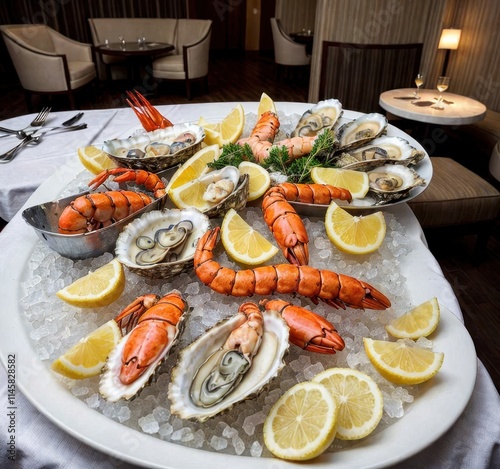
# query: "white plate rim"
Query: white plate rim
{"points": [[437, 407]]}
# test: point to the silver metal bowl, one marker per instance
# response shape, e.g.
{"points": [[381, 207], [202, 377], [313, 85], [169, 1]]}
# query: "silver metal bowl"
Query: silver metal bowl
{"points": [[44, 219]]}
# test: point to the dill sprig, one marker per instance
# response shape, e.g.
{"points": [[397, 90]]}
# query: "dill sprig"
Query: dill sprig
{"points": [[298, 170], [232, 155]]}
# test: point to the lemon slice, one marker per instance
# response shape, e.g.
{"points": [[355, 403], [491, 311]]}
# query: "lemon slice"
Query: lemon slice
{"points": [[232, 125], [260, 180], [265, 104], [402, 362], [301, 425], [418, 322], [87, 357], [98, 288], [229, 130], [94, 159], [354, 181], [190, 195], [212, 132], [193, 167], [354, 234], [359, 399], [243, 243]]}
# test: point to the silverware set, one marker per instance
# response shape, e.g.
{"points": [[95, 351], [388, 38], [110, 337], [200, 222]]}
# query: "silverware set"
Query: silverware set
{"points": [[34, 132]]}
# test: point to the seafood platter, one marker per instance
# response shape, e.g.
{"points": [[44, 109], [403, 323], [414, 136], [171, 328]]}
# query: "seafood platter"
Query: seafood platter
{"points": [[197, 390]]}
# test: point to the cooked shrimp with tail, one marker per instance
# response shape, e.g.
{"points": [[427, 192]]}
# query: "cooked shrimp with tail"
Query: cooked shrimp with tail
{"points": [[335, 289]]}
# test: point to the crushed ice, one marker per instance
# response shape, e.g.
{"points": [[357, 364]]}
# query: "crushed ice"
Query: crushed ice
{"points": [[55, 326]]}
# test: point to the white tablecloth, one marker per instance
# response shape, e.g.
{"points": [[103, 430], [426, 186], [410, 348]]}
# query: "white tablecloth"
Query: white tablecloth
{"points": [[472, 442]]}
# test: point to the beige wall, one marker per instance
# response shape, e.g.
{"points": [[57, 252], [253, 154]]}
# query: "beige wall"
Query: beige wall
{"points": [[474, 68]]}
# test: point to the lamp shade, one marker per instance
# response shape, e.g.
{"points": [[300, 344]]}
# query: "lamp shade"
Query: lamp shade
{"points": [[449, 39]]}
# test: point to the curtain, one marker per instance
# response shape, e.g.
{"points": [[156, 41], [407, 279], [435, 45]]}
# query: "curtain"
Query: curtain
{"points": [[69, 17]]}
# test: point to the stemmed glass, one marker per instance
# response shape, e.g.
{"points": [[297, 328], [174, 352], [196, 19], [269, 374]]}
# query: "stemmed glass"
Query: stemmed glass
{"points": [[442, 85], [419, 81]]}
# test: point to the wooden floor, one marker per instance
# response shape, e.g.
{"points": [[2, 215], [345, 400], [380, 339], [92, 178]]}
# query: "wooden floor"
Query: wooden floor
{"points": [[476, 285]]}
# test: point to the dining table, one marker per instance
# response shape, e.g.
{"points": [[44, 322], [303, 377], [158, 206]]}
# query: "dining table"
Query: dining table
{"points": [[135, 54], [421, 106], [456, 419]]}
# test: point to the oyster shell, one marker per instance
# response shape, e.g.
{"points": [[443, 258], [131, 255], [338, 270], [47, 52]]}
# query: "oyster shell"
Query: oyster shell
{"points": [[157, 150], [237, 199], [220, 183], [323, 115], [392, 182], [196, 363], [161, 244], [361, 130], [110, 385], [382, 150]]}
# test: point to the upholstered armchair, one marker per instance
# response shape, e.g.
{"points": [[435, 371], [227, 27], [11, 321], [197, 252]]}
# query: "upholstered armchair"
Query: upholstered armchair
{"points": [[190, 59], [287, 53], [47, 62]]}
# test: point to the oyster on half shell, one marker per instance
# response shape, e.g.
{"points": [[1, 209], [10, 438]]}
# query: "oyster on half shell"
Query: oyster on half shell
{"points": [[161, 244], [224, 194], [323, 115], [196, 364], [392, 182], [111, 386], [361, 130], [382, 150]]}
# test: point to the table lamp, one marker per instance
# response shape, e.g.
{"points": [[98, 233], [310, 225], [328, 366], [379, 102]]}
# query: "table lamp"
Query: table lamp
{"points": [[449, 40]]}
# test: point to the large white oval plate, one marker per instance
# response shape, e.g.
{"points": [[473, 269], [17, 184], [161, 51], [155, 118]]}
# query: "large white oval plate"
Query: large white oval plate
{"points": [[437, 406]]}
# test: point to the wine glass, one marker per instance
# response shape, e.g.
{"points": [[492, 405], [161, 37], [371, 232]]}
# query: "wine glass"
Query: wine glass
{"points": [[419, 81], [442, 85]]}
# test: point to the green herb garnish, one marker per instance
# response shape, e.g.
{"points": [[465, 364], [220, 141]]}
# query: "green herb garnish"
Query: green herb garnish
{"points": [[232, 155], [299, 170]]}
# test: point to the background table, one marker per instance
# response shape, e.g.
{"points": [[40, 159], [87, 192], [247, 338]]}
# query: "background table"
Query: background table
{"points": [[474, 440], [135, 54], [463, 110]]}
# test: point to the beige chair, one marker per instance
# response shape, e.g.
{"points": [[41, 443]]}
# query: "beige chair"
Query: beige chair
{"points": [[189, 62], [47, 62], [458, 201], [287, 53]]}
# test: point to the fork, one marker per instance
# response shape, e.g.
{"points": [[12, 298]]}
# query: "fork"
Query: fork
{"points": [[38, 121], [35, 139]]}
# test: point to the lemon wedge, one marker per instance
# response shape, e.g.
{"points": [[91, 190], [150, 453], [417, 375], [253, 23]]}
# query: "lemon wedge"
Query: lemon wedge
{"points": [[243, 243], [193, 167], [301, 425], [421, 321], [403, 362], [362, 234], [265, 104], [87, 357], [356, 182], [259, 181], [98, 288], [94, 159], [229, 130], [359, 400]]}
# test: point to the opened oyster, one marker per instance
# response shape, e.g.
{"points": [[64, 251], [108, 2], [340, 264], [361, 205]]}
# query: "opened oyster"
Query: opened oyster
{"points": [[382, 150], [322, 116], [392, 182], [153, 325], [225, 188], [157, 150], [161, 244], [220, 369], [361, 131]]}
